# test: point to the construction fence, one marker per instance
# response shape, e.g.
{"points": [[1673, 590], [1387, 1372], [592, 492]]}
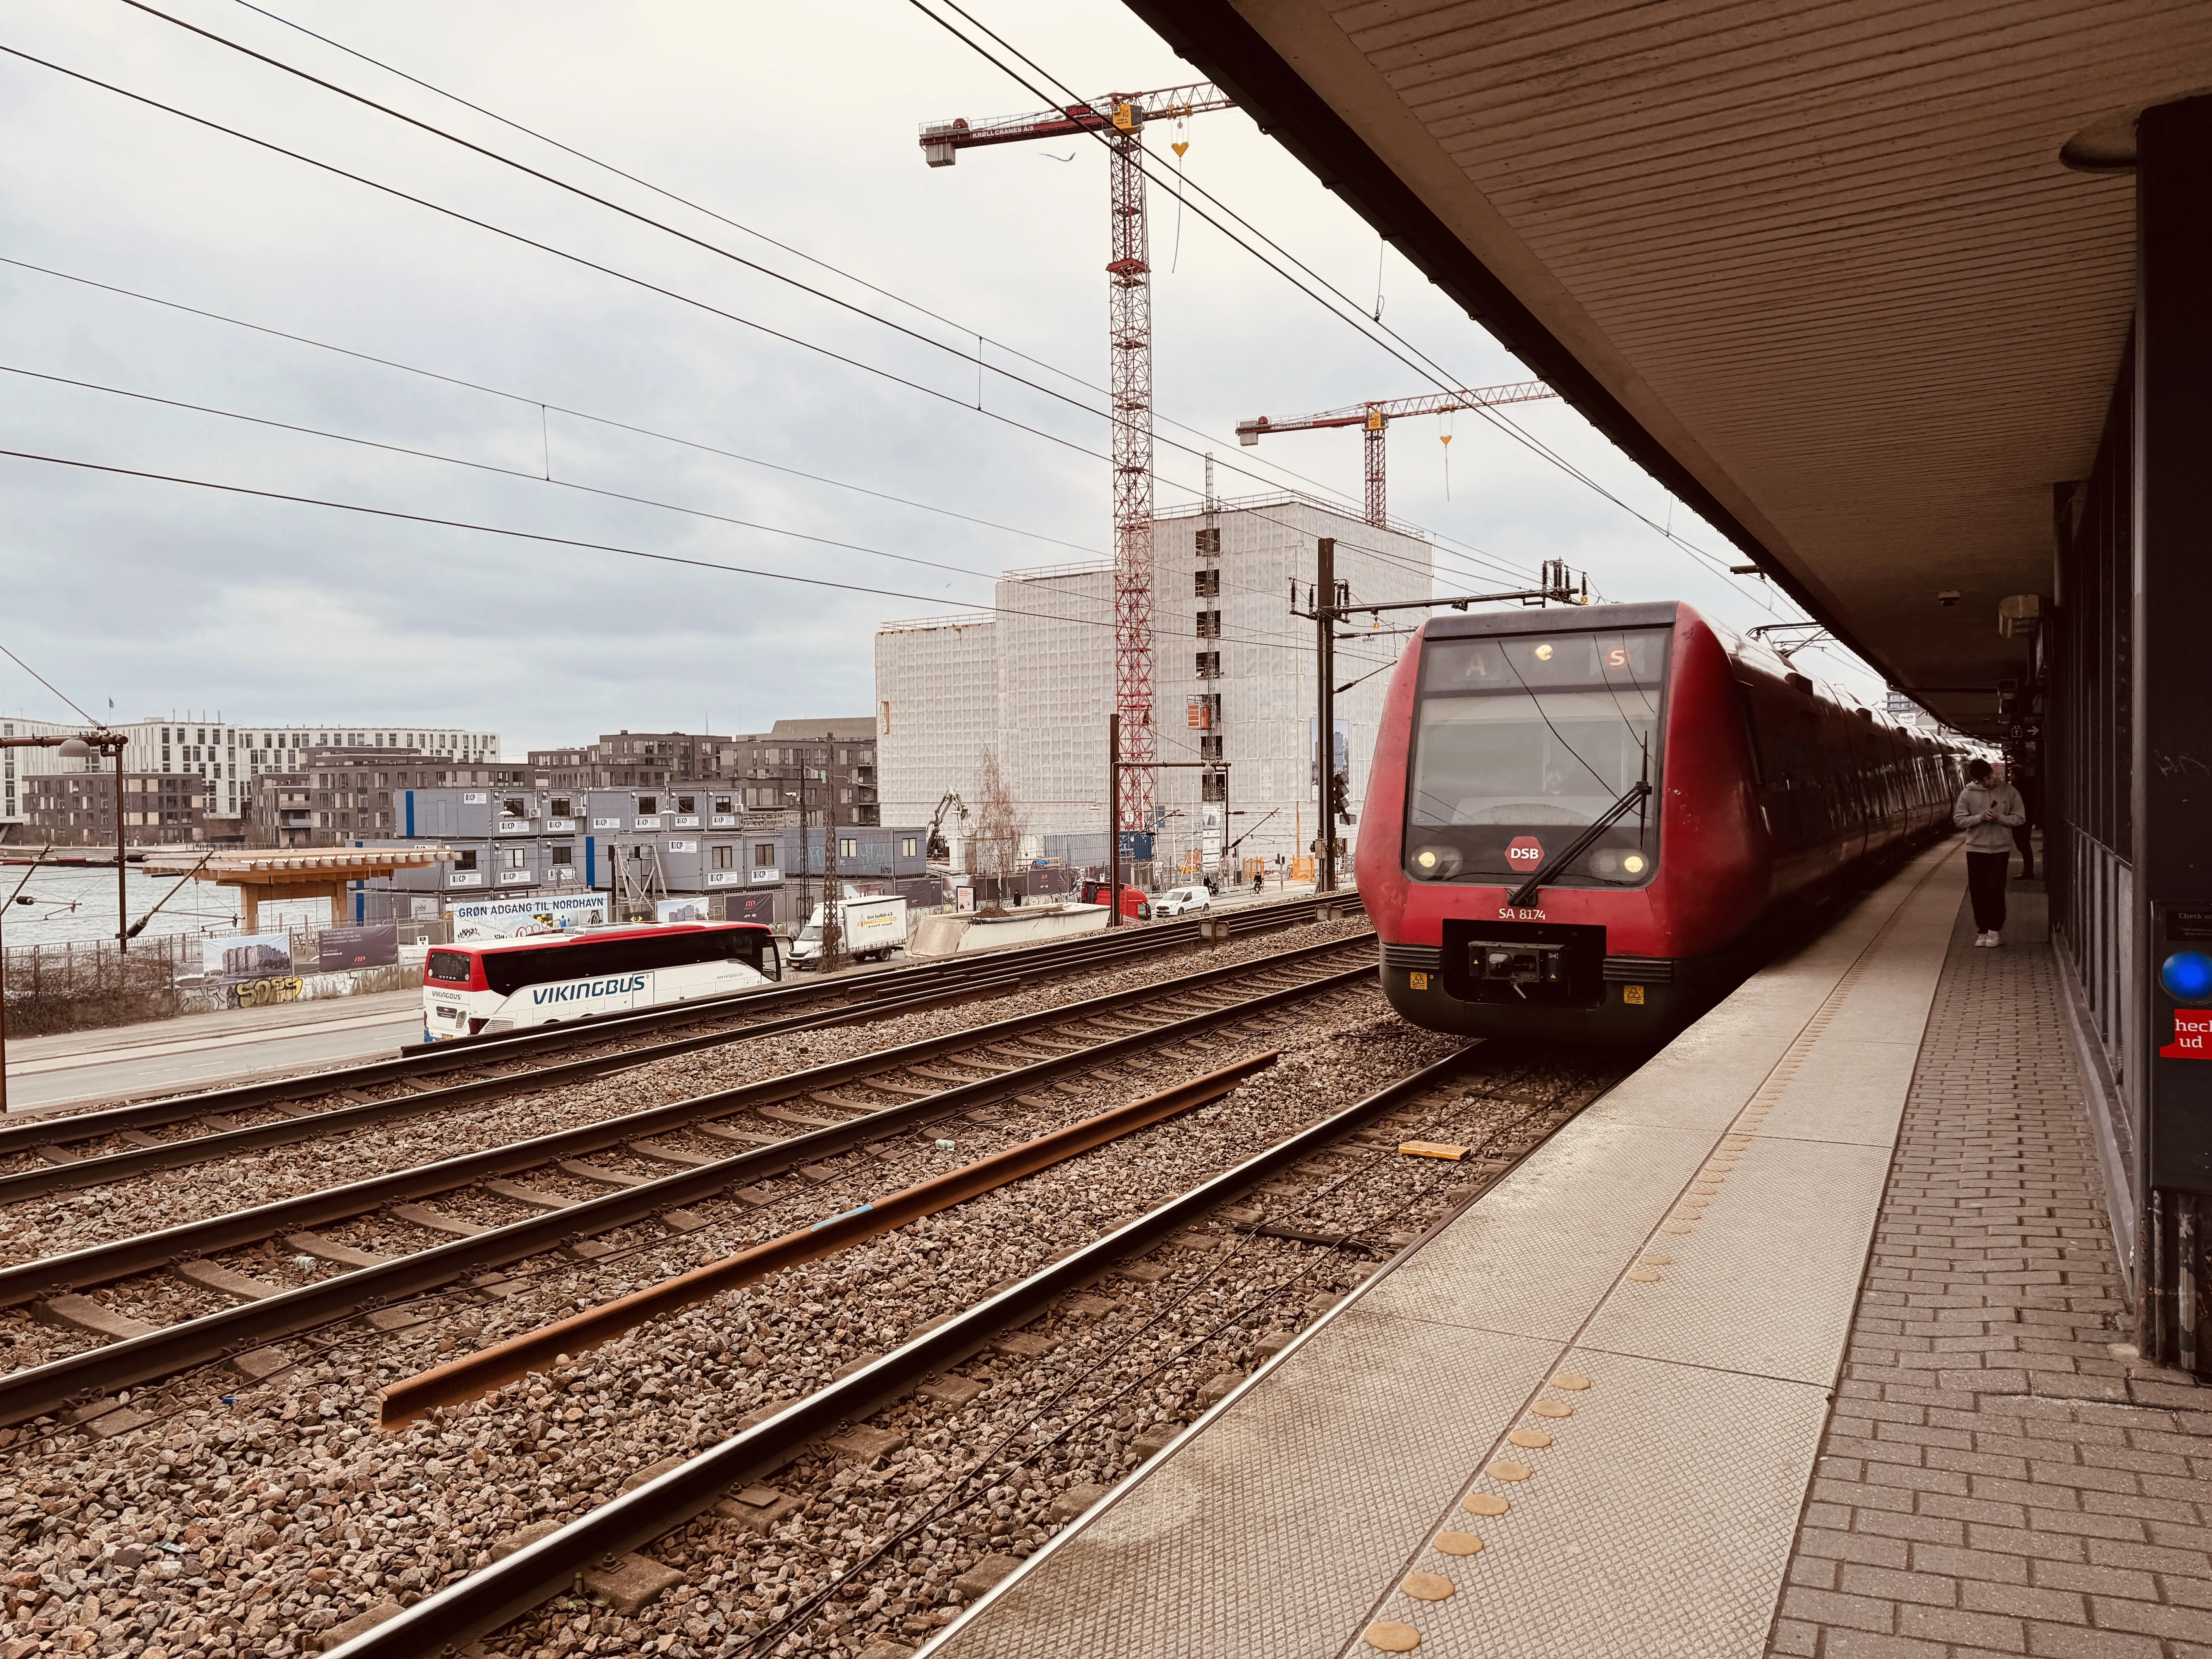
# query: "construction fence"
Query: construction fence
{"points": [[80, 985]]}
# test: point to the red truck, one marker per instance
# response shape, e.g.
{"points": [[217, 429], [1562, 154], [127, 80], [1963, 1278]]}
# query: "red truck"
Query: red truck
{"points": [[1134, 905]]}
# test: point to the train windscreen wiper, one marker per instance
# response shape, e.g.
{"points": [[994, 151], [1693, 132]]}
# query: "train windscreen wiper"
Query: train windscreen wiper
{"points": [[1632, 796]]}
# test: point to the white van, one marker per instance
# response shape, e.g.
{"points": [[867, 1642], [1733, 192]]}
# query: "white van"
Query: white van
{"points": [[1182, 901]]}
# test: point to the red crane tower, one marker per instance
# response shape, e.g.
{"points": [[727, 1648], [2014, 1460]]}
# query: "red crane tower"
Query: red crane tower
{"points": [[1375, 419], [1122, 118]]}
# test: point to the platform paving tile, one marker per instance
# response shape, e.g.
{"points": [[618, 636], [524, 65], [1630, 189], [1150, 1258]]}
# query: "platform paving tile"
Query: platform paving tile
{"points": [[1304, 1497], [1993, 1479]]}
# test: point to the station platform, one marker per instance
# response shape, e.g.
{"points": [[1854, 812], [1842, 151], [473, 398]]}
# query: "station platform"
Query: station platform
{"points": [[1802, 1340]]}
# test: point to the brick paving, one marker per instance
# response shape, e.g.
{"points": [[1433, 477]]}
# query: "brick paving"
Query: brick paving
{"points": [[1994, 1480]]}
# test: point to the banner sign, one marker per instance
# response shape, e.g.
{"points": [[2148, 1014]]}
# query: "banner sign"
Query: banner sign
{"points": [[478, 919], [749, 907], [245, 956], [339, 949]]}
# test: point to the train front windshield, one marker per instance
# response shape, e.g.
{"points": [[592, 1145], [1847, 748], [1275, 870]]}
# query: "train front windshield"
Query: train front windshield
{"points": [[1521, 743]]}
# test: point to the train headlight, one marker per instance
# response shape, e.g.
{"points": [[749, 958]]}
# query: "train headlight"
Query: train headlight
{"points": [[1435, 863], [1633, 863], [1605, 863], [2187, 976]]}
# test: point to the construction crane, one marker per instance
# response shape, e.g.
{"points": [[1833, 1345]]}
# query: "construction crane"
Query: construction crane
{"points": [[1375, 418], [1121, 118]]}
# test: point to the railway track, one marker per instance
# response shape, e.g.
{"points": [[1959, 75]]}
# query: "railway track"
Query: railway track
{"points": [[904, 1487], [664, 1159], [65, 1153]]}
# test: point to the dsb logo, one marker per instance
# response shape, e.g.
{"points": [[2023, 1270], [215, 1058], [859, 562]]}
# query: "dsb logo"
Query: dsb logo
{"points": [[1524, 850]]}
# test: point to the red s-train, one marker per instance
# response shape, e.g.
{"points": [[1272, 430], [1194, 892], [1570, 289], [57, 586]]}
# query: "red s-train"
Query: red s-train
{"points": [[1579, 822]]}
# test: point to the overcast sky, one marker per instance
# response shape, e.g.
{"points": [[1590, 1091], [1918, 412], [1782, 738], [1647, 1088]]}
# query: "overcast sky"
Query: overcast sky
{"points": [[800, 124]]}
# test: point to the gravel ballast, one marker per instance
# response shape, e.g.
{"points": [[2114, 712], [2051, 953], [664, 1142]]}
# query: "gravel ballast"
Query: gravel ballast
{"points": [[254, 1523]]}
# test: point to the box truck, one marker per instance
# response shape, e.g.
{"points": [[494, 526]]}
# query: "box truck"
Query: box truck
{"points": [[868, 930]]}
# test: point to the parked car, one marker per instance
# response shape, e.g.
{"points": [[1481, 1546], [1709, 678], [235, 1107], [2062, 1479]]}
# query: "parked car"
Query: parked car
{"points": [[1180, 901], [1135, 907]]}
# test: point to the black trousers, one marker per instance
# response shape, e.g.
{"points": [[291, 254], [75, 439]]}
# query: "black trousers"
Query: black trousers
{"points": [[2023, 838], [1986, 875]]}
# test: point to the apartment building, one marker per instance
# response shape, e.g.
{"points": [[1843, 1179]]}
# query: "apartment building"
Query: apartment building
{"points": [[640, 845], [831, 762], [229, 759], [75, 809], [337, 794]]}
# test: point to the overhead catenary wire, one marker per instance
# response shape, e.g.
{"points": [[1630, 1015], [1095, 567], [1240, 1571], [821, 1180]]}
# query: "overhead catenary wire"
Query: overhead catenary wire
{"points": [[527, 400], [48, 684], [666, 292], [960, 328], [1427, 571], [482, 150], [1347, 310], [561, 184], [530, 401], [579, 542], [530, 477]]}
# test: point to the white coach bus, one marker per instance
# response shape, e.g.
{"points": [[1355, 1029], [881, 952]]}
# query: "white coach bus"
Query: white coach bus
{"points": [[508, 984]]}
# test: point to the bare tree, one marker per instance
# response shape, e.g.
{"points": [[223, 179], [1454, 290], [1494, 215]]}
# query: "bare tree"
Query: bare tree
{"points": [[1001, 823]]}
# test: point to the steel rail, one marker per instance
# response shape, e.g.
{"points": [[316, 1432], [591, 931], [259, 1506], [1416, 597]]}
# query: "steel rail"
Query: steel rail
{"points": [[1054, 956], [470, 1053], [98, 1263], [105, 1167], [41, 1390], [474, 1374], [1051, 954], [491, 1597]]}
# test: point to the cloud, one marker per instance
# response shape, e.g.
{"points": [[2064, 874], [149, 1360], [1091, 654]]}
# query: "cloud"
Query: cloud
{"points": [[799, 121]]}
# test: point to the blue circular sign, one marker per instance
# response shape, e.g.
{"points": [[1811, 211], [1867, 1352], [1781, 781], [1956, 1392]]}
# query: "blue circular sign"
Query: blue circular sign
{"points": [[2187, 976]]}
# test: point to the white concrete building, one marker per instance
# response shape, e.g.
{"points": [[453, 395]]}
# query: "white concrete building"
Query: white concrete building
{"points": [[1233, 679]]}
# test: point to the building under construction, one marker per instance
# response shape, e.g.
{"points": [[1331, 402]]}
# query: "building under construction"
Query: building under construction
{"points": [[1032, 685]]}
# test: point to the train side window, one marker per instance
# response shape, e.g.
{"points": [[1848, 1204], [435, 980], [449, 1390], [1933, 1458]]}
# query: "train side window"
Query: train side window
{"points": [[1746, 711]]}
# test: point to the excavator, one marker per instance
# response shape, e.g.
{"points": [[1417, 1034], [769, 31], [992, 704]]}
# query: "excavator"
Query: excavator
{"points": [[938, 850]]}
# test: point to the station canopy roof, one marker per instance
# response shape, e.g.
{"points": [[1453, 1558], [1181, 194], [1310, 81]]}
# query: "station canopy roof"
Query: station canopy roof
{"points": [[1819, 266]]}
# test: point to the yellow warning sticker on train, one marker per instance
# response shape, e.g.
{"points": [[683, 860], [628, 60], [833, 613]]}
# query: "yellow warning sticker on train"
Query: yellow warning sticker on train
{"points": [[1420, 981], [1633, 993], [1431, 1149]]}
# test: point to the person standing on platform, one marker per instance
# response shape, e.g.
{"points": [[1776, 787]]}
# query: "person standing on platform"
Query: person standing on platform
{"points": [[1988, 810]]}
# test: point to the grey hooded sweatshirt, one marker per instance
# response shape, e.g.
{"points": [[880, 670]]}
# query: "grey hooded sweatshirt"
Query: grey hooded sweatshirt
{"points": [[1995, 836]]}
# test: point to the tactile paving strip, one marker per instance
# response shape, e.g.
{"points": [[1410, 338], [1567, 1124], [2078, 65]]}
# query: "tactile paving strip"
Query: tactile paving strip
{"points": [[1299, 1499], [1766, 1280], [1534, 1257], [1848, 1089], [1656, 1526]]}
